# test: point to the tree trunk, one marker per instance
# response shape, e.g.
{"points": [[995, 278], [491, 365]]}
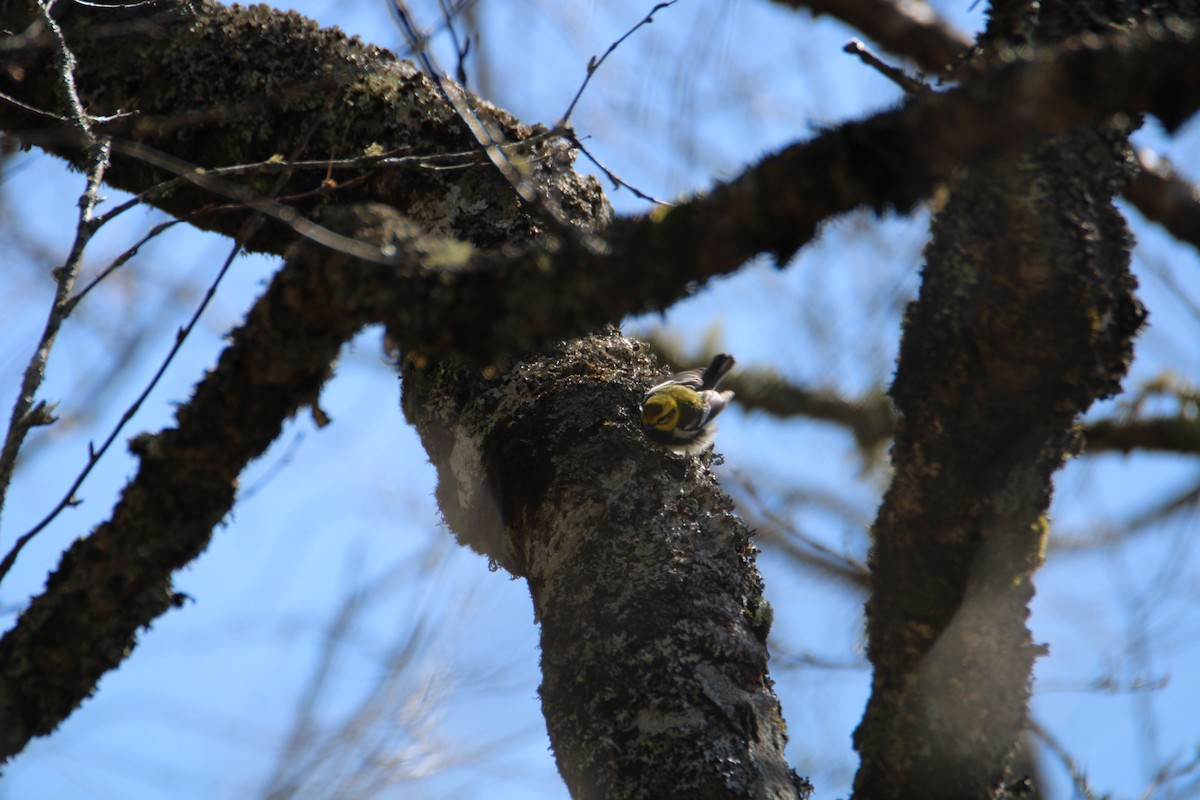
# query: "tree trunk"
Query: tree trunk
{"points": [[1026, 316], [653, 622]]}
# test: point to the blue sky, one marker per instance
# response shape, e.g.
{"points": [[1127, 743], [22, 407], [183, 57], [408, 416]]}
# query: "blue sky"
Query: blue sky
{"points": [[203, 706]]}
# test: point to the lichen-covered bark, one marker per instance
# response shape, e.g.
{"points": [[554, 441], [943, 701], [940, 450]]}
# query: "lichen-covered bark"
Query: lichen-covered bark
{"points": [[214, 86], [653, 623], [1026, 315], [218, 86], [118, 579], [644, 583]]}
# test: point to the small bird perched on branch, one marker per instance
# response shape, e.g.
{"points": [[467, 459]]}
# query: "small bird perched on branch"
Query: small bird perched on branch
{"points": [[679, 411]]}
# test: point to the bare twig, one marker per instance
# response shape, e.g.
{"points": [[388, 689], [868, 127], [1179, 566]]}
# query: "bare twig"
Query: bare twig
{"points": [[395, 720], [803, 548], [260, 203], [912, 30], [212, 181], [119, 262], [594, 63], [66, 74], [461, 48], [457, 99], [495, 149], [1171, 771], [894, 74], [276, 469], [563, 126], [783, 660], [40, 112], [94, 454], [1078, 776], [25, 414], [1181, 502], [617, 182]]}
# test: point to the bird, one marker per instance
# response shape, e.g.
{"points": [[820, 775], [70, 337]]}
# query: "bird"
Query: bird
{"points": [[679, 412]]}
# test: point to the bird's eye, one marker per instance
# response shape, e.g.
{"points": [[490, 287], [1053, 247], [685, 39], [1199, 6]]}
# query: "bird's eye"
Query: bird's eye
{"points": [[661, 413]]}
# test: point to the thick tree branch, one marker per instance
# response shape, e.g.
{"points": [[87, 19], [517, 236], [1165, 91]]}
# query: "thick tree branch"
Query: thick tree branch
{"points": [[1026, 315], [443, 299], [652, 617], [152, 69], [891, 160], [117, 579]]}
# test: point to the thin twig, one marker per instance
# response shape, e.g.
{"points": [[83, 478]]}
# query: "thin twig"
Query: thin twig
{"points": [[617, 181], [25, 414], [544, 208], [461, 49], [806, 550], [894, 74], [211, 180], [594, 63], [1171, 771], [119, 262], [94, 455], [262, 204], [457, 99], [248, 230], [458, 160], [1185, 501], [66, 74], [1078, 776]]}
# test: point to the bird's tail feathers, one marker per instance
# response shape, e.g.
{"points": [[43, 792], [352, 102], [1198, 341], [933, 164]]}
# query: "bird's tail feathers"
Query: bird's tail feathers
{"points": [[718, 369]]}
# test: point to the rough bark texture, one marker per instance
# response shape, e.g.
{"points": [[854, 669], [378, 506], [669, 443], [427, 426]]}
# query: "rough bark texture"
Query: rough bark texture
{"points": [[652, 616], [216, 86], [651, 610], [117, 579], [1026, 316], [358, 97]]}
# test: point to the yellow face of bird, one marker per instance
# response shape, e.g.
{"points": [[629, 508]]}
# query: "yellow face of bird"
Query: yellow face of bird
{"points": [[660, 411], [663, 409]]}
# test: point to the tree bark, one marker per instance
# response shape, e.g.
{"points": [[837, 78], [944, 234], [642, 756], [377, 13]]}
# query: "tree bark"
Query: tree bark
{"points": [[1025, 317], [651, 610], [653, 622]]}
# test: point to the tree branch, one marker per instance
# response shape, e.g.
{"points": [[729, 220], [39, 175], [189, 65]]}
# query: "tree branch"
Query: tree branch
{"points": [[1025, 316], [1179, 434], [179, 100], [452, 301], [653, 622], [117, 579], [1164, 196], [909, 29], [891, 160], [871, 418]]}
